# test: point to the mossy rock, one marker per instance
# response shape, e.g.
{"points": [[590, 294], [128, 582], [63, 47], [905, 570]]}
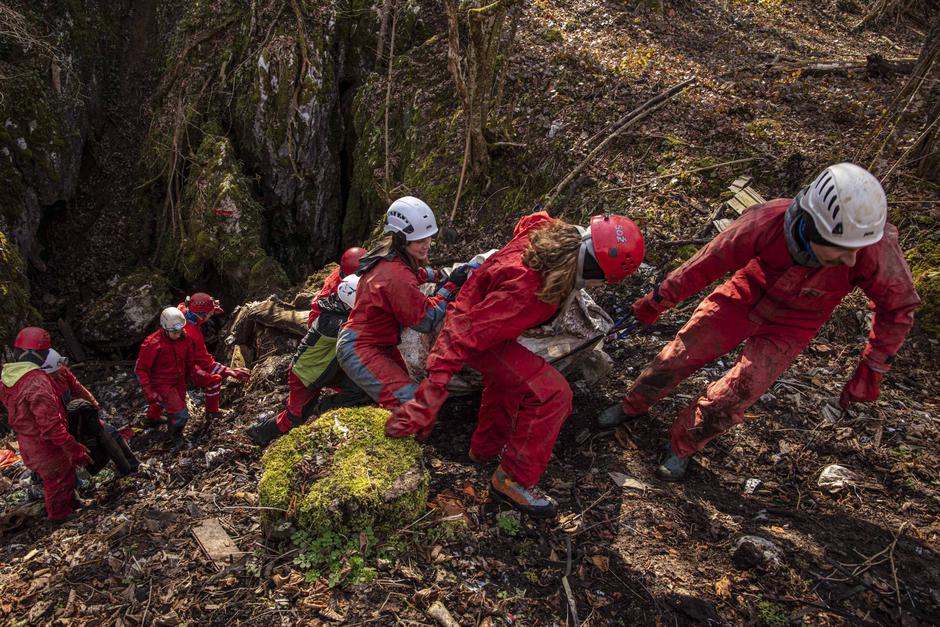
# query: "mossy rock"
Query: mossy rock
{"points": [[925, 267], [342, 474], [15, 309], [225, 222], [123, 316]]}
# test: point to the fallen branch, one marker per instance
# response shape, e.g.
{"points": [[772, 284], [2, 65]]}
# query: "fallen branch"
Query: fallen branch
{"points": [[706, 168], [632, 118], [572, 606], [683, 242]]}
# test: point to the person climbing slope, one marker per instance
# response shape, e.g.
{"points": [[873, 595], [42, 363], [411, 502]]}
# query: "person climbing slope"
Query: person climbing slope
{"points": [[793, 261], [315, 367], [389, 299], [525, 400]]}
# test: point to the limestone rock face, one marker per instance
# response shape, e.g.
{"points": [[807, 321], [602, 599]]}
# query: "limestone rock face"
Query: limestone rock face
{"points": [[341, 474], [124, 315]]}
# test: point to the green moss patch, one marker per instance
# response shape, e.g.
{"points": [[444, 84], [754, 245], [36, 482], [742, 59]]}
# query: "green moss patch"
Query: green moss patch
{"points": [[123, 316], [341, 475], [224, 223], [15, 309], [925, 266]]}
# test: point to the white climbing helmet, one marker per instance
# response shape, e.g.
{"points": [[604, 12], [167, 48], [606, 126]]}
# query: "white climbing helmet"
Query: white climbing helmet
{"points": [[172, 319], [412, 217], [848, 205], [347, 289]]}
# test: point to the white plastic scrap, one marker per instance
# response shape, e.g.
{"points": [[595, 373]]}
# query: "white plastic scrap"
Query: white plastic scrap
{"points": [[835, 477]]}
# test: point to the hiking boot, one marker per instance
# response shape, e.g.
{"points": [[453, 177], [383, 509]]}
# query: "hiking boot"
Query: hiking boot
{"points": [[673, 467], [177, 441], [481, 459], [531, 501], [613, 416], [263, 433]]}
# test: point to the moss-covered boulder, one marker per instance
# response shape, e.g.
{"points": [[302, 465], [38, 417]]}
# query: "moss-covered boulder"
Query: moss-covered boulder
{"points": [[224, 224], [15, 310], [925, 266], [341, 474], [124, 315]]}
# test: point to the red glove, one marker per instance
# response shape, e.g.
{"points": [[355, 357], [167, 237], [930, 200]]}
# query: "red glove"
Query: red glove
{"points": [[648, 308], [417, 416], [241, 374], [865, 386], [78, 454], [151, 396]]}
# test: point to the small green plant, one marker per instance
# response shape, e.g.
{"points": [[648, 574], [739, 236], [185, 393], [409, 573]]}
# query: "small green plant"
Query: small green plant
{"points": [[340, 559], [508, 523], [772, 614]]}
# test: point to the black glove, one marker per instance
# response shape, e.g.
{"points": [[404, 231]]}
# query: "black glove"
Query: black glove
{"points": [[459, 276]]}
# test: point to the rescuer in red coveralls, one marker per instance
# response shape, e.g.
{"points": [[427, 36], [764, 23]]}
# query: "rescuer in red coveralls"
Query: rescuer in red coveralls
{"points": [[197, 309], [525, 400], [37, 416], [85, 424], [388, 299], [793, 262], [165, 362], [348, 264]]}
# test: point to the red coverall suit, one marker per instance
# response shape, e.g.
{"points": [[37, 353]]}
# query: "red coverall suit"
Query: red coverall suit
{"points": [[37, 416], [208, 373], [163, 366], [67, 387], [329, 288], [775, 307], [387, 299], [525, 400]]}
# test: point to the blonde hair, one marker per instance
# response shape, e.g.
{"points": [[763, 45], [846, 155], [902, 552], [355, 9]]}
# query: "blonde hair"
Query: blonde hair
{"points": [[553, 251]]}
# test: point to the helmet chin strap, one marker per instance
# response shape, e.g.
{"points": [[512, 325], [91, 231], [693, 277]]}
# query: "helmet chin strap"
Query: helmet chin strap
{"points": [[587, 246]]}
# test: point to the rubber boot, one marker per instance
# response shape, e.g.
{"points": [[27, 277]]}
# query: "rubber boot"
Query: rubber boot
{"points": [[177, 441], [531, 501], [673, 467], [263, 433], [613, 416]]}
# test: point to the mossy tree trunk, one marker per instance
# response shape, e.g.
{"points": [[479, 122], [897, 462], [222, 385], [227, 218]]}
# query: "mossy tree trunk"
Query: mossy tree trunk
{"points": [[488, 31]]}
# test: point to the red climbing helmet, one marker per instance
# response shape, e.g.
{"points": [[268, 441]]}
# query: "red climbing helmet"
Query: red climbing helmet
{"points": [[33, 338], [618, 246], [349, 262], [200, 302]]}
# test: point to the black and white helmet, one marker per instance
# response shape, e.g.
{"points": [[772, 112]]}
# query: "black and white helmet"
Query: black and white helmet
{"points": [[347, 290], [412, 217], [848, 206]]}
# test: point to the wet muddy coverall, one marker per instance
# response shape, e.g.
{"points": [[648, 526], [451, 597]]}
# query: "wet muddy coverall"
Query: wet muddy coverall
{"points": [[387, 300], [37, 416], [774, 306], [525, 400], [163, 368], [209, 373], [315, 367]]}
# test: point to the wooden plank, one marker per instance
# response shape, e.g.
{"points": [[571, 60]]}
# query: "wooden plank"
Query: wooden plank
{"points": [[739, 183], [722, 224], [75, 348], [737, 205], [749, 197], [215, 542]]}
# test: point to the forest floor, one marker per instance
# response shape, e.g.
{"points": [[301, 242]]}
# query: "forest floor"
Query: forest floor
{"points": [[647, 552]]}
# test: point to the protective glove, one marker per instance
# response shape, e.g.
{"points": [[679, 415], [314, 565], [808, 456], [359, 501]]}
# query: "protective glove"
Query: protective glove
{"points": [[459, 276], [417, 416], [240, 374], [647, 309], [78, 453], [864, 386], [151, 396]]}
